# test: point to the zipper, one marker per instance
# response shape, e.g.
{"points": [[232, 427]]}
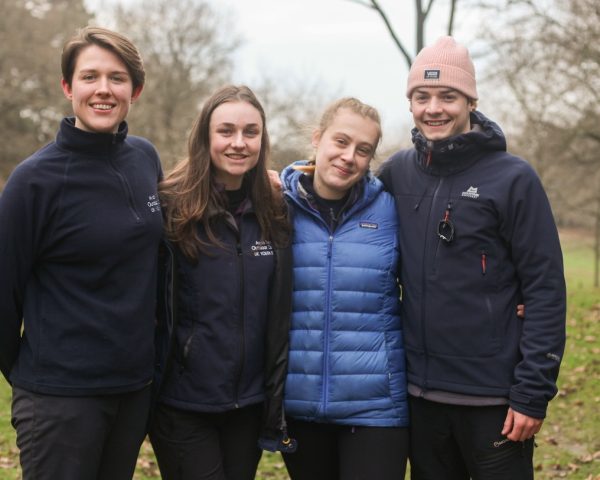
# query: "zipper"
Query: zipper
{"points": [[425, 271], [240, 261], [127, 190], [326, 328]]}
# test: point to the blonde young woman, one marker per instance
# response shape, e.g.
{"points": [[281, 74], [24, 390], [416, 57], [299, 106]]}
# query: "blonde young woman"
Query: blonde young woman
{"points": [[345, 394]]}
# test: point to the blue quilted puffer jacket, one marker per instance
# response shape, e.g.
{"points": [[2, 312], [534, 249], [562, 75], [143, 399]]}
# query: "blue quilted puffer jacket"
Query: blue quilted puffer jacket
{"points": [[346, 361]]}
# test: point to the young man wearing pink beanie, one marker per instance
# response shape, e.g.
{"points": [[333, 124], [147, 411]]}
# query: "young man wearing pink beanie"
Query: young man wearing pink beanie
{"points": [[478, 238]]}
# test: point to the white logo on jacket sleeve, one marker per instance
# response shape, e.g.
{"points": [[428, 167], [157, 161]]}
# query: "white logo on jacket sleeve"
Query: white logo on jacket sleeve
{"points": [[471, 193], [262, 248], [153, 203]]}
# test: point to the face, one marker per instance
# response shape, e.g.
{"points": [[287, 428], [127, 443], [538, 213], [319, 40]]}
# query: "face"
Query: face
{"points": [[440, 113], [344, 151], [101, 90], [235, 134]]}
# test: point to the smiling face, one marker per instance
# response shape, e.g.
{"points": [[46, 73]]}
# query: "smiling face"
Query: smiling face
{"points": [[101, 90], [344, 151], [440, 113], [235, 133]]}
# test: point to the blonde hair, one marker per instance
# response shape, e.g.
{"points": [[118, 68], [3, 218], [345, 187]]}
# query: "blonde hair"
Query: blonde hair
{"points": [[328, 116]]}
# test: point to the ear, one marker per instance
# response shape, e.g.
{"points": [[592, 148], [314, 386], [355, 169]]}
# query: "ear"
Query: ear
{"points": [[316, 138], [66, 88], [136, 93]]}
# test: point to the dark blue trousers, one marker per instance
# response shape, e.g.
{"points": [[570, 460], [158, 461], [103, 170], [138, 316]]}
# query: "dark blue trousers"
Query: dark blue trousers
{"points": [[343, 452], [453, 442], [79, 438]]}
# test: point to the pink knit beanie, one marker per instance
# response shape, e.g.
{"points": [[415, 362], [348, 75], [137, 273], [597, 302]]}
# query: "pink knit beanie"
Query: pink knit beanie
{"points": [[443, 64]]}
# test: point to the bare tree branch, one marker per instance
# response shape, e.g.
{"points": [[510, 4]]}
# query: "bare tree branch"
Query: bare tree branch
{"points": [[364, 4], [451, 17], [428, 9], [392, 33]]}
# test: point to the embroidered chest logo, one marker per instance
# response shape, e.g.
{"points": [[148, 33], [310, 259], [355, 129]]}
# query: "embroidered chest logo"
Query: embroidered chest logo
{"points": [[369, 225], [153, 203], [262, 248], [431, 75], [471, 192]]}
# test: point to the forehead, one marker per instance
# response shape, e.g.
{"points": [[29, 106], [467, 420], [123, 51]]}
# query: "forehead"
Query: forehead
{"points": [[236, 113], [94, 57], [347, 122]]}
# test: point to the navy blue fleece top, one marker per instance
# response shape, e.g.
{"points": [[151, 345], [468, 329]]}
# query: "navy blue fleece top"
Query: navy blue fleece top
{"points": [[80, 225]]}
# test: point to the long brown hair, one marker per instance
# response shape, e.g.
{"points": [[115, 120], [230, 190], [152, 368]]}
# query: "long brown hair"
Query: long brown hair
{"points": [[189, 192]]}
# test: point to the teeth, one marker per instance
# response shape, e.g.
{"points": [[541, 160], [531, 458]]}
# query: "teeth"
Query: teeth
{"points": [[102, 106], [435, 124]]}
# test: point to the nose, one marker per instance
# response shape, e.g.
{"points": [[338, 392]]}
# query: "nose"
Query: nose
{"points": [[238, 140], [348, 153], [434, 105], [102, 87]]}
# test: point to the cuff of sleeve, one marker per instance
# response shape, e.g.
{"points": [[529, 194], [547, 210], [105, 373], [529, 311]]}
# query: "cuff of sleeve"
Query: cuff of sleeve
{"points": [[526, 405]]}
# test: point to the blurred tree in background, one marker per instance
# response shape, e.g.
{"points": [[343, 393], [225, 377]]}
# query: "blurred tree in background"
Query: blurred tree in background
{"points": [[32, 33], [187, 51]]}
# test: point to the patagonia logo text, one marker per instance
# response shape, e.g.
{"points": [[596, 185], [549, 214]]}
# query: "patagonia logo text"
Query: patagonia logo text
{"points": [[371, 225], [432, 75], [471, 192]]}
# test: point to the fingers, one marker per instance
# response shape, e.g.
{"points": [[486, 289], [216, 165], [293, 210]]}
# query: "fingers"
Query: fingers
{"points": [[508, 422], [518, 427]]}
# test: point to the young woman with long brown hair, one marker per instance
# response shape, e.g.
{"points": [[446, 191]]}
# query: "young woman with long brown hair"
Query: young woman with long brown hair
{"points": [[223, 337]]}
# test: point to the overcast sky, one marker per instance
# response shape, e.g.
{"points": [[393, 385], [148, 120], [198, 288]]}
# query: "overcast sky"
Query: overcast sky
{"points": [[338, 43]]}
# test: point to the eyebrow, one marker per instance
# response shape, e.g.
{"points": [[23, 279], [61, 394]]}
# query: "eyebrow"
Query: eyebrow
{"points": [[94, 70], [229, 124]]}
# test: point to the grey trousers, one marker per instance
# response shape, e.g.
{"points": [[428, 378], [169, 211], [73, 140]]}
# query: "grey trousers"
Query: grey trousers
{"points": [[79, 438]]}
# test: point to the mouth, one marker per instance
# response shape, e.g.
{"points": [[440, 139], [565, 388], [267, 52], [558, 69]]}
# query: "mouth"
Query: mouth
{"points": [[343, 170], [236, 156], [102, 106], [436, 123]]}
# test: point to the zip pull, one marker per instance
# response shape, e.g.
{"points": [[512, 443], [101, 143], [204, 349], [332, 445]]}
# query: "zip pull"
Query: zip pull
{"points": [[447, 213], [428, 158], [429, 153], [483, 262]]}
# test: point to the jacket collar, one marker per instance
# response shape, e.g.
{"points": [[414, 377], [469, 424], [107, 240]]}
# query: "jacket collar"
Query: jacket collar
{"points": [[458, 153], [90, 143]]}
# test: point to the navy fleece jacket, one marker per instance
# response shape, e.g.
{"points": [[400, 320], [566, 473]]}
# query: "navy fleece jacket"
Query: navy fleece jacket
{"points": [[80, 226]]}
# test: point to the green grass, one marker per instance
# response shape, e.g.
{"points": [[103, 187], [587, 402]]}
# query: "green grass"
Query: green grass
{"points": [[569, 443]]}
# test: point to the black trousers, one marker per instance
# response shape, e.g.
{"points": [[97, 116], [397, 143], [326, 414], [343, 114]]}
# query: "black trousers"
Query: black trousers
{"points": [[339, 452], [79, 438], [215, 446], [453, 442]]}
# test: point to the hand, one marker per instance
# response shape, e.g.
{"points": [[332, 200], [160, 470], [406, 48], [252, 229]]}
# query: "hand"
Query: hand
{"points": [[518, 427], [275, 180], [521, 310]]}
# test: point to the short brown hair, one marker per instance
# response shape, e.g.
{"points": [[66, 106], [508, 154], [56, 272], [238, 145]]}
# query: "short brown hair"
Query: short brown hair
{"points": [[115, 42]]}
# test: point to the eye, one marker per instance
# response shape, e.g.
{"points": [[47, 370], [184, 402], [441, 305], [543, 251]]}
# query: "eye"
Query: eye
{"points": [[341, 141], [224, 131], [87, 76], [118, 78], [364, 151], [251, 132]]}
